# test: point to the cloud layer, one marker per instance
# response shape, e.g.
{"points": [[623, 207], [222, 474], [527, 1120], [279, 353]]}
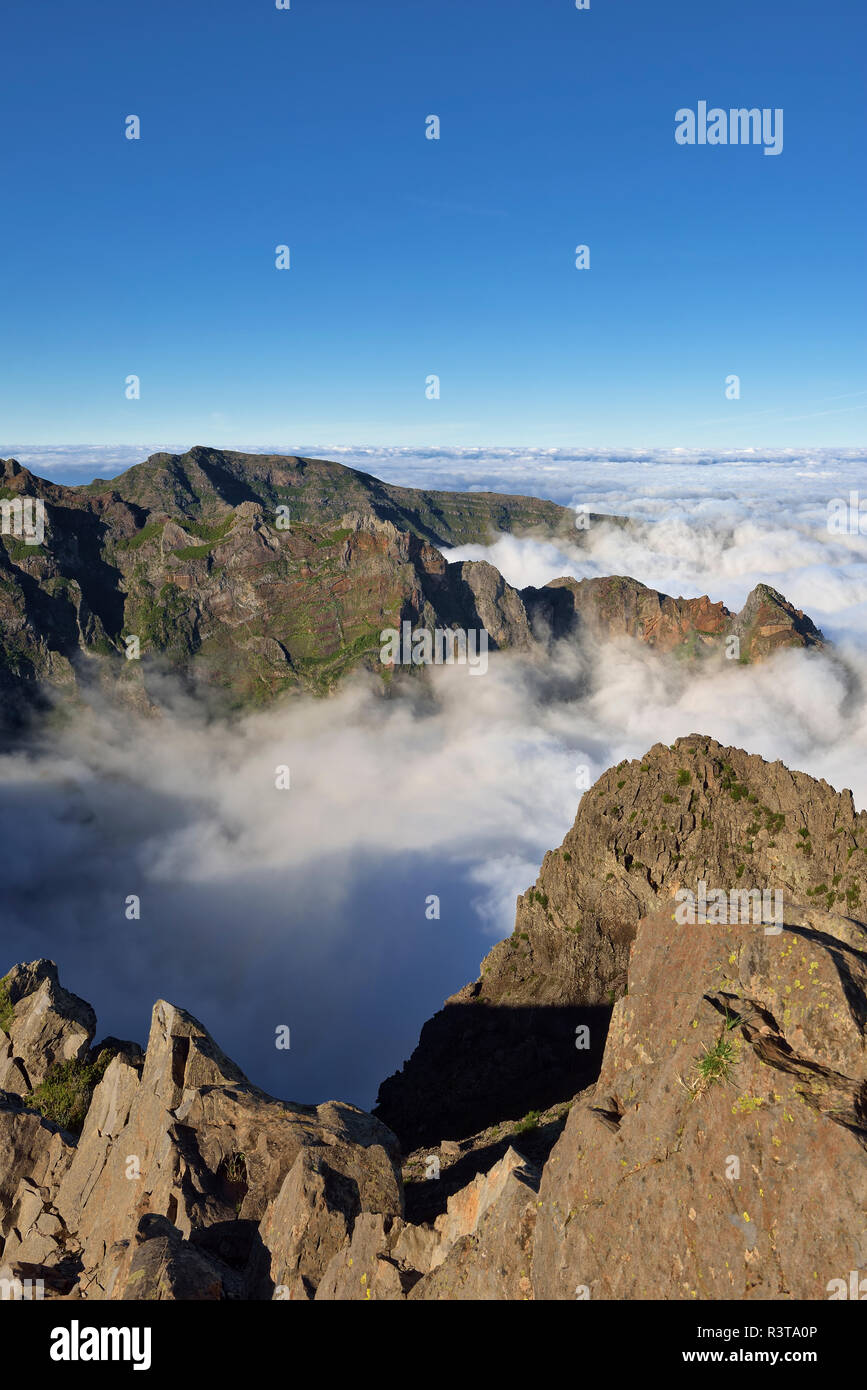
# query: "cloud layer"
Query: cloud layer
{"points": [[263, 907], [307, 906]]}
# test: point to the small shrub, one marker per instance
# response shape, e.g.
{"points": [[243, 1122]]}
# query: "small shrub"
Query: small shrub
{"points": [[236, 1167], [716, 1064], [529, 1122], [65, 1094], [7, 1008]]}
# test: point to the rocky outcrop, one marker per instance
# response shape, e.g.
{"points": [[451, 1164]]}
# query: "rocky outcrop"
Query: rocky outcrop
{"points": [[722, 1154], [617, 606], [183, 1136], [41, 1025], [693, 812], [485, 1238], [314, 1215], [479, 1248], [254, 575], [713, 1143]]}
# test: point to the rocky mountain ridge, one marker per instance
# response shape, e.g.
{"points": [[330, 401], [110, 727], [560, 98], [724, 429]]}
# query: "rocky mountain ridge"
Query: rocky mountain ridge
{"points": [[252, 576], [712, 1144], [693, 812]]}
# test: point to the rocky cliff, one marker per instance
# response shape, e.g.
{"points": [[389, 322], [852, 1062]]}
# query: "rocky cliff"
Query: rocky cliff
{"points": [[708, 1140], [693, 812], [254, 575], [617, 606]]}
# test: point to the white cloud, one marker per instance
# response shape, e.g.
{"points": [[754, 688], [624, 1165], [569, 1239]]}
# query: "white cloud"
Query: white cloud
{"points": [[306, 907]]}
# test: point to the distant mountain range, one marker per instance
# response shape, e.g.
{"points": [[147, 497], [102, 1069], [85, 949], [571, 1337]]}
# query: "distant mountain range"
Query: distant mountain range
{"points": [[257, 574]]}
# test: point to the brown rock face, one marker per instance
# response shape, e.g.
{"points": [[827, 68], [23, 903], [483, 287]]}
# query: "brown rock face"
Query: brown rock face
{"points": [[257, 574], [46, 1025], [617, 606], [723, 1152], [693, 812], [719, 1150], [184, 1172]]}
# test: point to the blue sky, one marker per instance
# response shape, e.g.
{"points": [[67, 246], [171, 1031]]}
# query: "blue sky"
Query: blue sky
{"points": [[413, 257]]}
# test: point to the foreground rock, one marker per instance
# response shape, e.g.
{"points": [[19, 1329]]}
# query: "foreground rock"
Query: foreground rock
{"points": [[44, 1025], [666, 1184], [180, 1148], [718, 1150], [695, 811]]}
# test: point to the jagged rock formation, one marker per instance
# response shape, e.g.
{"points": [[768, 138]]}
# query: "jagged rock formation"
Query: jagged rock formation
{"points": [[180, 1139], [46, 1025], [718, 1150], [191, 556], [695, 811], [621, 607], [750, 1186]]}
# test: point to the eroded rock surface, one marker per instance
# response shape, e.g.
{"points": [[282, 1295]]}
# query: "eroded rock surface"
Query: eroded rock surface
{"points": [[718, 1151], [262, 574], [44, 1025], [692, 812]]}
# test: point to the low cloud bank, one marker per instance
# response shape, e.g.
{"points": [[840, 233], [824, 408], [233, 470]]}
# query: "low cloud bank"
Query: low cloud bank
{"points": [[313, 907], [310, 907]]}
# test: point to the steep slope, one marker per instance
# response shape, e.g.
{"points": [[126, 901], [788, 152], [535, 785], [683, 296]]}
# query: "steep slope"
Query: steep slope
{"points": [[693, 812], [203, 482], [187, 564], [718, 1151], [618, 606], [723, 1152], [190, 555]]}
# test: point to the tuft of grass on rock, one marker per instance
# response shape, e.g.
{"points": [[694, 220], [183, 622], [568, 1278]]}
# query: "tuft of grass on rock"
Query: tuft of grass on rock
{"points": [[64, 1096], [7, 1008], [717, 1062], [529, 1122]]}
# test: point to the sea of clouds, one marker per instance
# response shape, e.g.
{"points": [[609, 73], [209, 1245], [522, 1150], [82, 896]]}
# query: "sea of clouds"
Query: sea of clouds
{"points": [[307, 907]]}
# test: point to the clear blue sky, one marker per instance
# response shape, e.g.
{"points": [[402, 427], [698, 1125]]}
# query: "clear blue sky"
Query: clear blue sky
{"points": [[412, 257]]}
